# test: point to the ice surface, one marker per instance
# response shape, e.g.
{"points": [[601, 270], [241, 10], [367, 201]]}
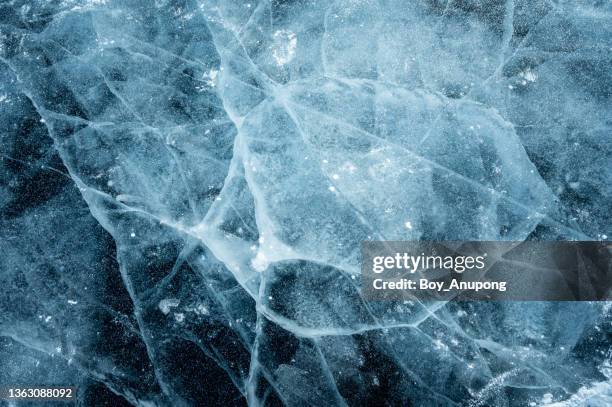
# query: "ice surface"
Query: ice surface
{"points": [[185, 186]]}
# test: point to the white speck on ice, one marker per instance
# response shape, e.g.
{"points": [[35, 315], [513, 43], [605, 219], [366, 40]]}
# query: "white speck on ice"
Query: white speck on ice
{"points": [[528, 75], [211, 77], [260, 262], [167, 303], [349, 167], [547, 398], [283, 48], [202, 309]]}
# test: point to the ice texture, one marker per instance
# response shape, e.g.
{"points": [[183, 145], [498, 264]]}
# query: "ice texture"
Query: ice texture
{"points": [[185, 186]]}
